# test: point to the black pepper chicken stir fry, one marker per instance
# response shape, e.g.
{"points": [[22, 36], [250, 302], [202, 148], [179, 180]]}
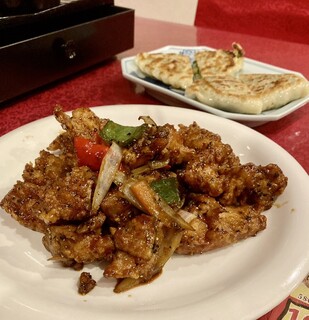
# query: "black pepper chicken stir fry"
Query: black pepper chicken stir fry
{"points": [[134, 196]]}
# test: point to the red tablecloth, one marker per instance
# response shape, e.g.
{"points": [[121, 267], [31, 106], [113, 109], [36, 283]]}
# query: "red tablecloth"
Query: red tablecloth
{"points": [[104, 84], [278, 19]]}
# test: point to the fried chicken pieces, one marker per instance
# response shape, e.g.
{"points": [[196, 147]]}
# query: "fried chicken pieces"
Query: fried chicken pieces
{"points": [[224, 199]]}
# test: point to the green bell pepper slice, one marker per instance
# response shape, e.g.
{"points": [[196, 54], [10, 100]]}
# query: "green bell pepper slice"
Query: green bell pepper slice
{"points": [[122, 135], [167, 188]]}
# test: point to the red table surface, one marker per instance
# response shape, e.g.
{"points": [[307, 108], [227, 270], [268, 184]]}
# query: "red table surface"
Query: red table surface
{"points": [[105, 85]]}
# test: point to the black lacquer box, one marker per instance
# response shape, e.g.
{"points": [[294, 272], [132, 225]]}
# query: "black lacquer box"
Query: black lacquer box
{"points": [[46, 45]]}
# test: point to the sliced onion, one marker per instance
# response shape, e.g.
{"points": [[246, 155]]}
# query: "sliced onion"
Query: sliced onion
{"points": [[186, 215], [170, 243], [151, 165], [155, 205], [128, 195], [156, 164], [139, 170], [120, 178], [128, 284], [108, 169]]}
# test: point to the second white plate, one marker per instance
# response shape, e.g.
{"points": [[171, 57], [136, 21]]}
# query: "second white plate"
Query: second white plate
{"points": [[173, 97]]}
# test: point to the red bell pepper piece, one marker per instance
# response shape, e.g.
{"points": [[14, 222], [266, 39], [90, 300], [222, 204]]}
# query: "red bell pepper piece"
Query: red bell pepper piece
{"points": [[90, 153]]}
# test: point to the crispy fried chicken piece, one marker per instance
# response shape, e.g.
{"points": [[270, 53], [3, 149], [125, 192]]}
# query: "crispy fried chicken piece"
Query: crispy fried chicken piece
{"points": [[147, 148], [125, 265], [49, 167], [136, 247], [117, 209], [137, 237], [186, 144], [176, 151], [255, 185], [68, 199], [244, 184], [215, 170], [206, 165], [198, 138], [135, 244], [63, 144], [53, 190], [70, 243], [217, 226], [203, 176], [83, 122], [24, 200]]}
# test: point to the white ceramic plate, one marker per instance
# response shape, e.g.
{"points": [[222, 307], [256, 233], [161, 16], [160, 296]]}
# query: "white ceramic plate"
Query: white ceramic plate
{"points": [[243, 281], [176, 97]]}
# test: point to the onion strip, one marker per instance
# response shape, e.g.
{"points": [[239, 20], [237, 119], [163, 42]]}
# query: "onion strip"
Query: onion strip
{"points": [[156, 206], [128, 195], [186, 215], [120, 178], [150, 166], [108, 169]]}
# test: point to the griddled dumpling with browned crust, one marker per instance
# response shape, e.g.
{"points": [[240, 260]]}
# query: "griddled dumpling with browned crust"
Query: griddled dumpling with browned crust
{"points": [[170, 68], [220, 61], [219, 79], [176, 69], [248, 93], [156, 190]]}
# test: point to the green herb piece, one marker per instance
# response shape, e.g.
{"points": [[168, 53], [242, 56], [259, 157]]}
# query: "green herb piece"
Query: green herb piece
{"points": [[196, 71]]}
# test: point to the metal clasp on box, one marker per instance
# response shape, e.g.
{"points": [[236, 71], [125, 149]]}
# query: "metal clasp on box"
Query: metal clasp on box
{"points": [[67, 48]]}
